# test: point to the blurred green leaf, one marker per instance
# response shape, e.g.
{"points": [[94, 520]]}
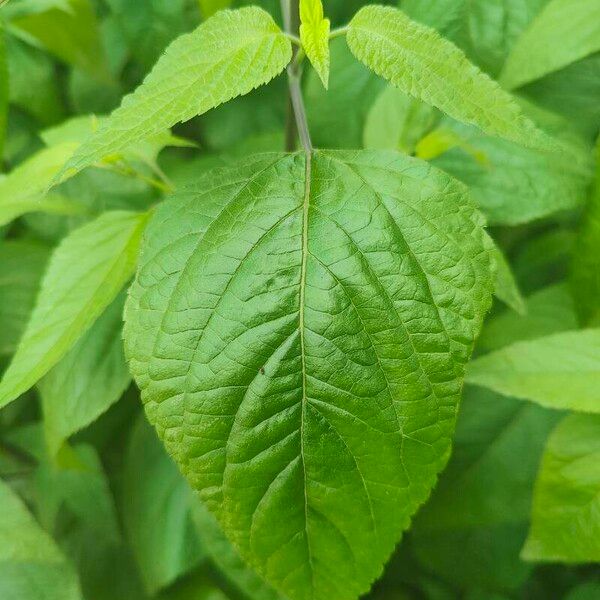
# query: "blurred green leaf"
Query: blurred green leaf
{"points": [[88, 380], [515, 184], [585, 269], [550, 310], [31, 565], [22, 264], [157, 503], [563, 32], [558, 371], [472, 529], [352, 89], [397, 122], [566, 506], [71, 33]]}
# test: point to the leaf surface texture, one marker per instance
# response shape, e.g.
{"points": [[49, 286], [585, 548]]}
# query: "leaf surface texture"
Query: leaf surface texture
{"points": [[299, 341]]}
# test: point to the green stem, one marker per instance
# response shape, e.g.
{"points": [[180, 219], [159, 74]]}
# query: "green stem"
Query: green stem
{"points": [[340, 31], [297, 120]]}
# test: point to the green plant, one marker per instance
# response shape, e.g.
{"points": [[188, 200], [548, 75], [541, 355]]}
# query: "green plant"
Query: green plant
{"points": [[305, 267]]}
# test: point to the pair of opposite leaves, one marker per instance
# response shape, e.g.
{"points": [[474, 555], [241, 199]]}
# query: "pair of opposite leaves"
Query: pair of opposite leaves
{"points": [[299, 325]]}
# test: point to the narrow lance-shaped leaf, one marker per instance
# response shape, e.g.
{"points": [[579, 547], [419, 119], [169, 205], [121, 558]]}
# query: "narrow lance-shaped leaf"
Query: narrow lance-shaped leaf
{"points": [[300, 341], [557, 371], [229, 55], [417, 60], [86, 272], [314, 35], [565, 523], [563, 32]]}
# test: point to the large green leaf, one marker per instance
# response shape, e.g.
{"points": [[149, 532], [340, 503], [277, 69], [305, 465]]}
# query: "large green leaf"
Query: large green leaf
{"points": [[229, 55], [22, 264], [299, 335], [157, 504], [85, 274], [31, 565], [563, 32], [566, 507], [71, 33], [418, 61], [88, 380], [557, 371], [471, 531]]}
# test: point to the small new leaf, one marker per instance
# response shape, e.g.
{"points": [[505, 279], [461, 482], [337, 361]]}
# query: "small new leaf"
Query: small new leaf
{"points": [[314, 35], [417, 60], [229, 55]]}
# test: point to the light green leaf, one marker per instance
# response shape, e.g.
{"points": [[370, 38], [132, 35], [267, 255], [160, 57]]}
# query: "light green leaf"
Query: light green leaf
{"points": [[281, 330], [585, 591], [227, 559], [71, 33], [585, 268], [515, 185], [22, 264], [157, 504], [558, 371], [85, 274], [4, 88], [314, 35], [23, 190], [31, 565], [549, 310], [209, 7], [563, 32], [87, 381], [418, 61], [229, 55], [471, 531], [507, 288], [397, 121], [566, 506]]}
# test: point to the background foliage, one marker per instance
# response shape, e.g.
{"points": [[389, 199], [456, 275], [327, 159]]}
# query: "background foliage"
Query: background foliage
{"points": [[91, 506]]}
